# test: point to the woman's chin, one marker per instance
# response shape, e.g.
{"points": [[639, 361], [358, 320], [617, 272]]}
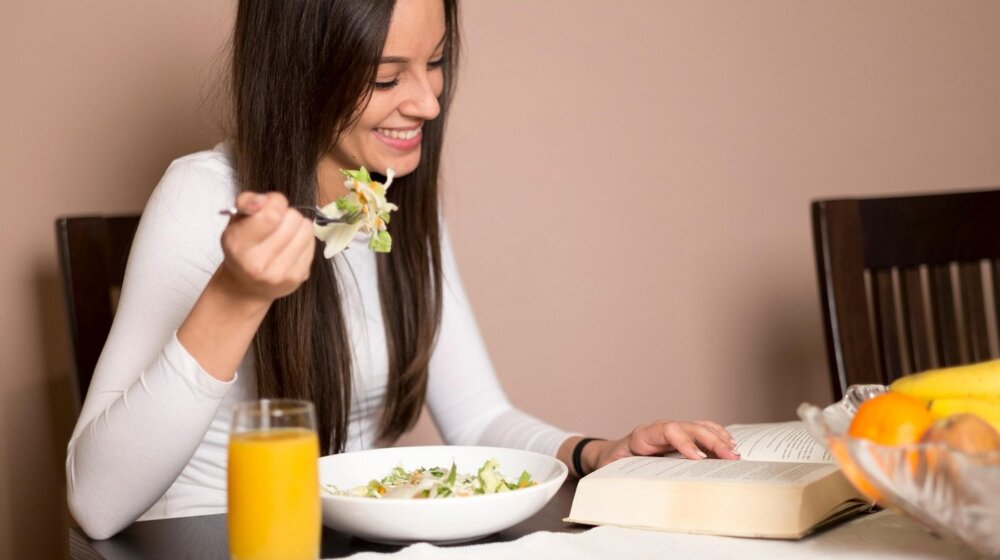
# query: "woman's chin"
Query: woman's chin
{"points": [[403, 165], [399, 169]]}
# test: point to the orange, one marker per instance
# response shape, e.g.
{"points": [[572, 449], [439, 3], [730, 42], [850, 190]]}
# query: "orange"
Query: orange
{"points": [[891, 419], [852, 472]]}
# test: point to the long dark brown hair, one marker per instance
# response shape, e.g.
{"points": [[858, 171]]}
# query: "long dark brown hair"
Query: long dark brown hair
{"points": [[302, 72]]}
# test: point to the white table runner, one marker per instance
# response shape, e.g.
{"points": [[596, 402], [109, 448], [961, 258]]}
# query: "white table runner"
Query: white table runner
{"points": [[880, 535]]}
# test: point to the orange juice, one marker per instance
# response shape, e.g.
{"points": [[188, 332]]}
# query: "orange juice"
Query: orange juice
{"points": [[274, 503]]}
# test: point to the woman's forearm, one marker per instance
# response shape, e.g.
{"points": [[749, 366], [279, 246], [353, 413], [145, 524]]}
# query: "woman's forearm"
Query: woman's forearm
{"points": [[221, 326]]}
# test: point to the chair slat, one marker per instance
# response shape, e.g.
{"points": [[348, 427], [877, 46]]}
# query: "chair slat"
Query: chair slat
{"points": [[974, 311], [915, 319], [943, 305], [885, 325]]}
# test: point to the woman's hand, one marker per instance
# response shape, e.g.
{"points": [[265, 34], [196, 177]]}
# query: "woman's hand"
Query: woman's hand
{"points": [[268, 253], [268, 247], [694, 440]]}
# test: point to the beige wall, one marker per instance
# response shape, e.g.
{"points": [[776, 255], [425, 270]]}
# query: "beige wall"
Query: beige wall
{"points": [[628, 188], [95, 99]]}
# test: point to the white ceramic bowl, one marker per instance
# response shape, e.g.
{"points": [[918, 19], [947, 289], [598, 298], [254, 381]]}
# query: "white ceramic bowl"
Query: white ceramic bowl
{"points": [[441, 520]]}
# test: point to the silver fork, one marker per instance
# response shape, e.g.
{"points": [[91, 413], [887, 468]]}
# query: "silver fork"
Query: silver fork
{"points": [[319, 217]]}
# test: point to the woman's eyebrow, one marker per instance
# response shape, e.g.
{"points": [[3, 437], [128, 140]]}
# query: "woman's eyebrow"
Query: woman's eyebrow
{"points": [[404, 59]]}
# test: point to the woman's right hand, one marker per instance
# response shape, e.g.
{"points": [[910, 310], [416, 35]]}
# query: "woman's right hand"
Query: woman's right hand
{"points": [[268, 252], [268, 247]]}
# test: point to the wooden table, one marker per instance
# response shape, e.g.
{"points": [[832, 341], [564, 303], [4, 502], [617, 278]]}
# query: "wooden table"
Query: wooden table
{"points": [[205, 536]]}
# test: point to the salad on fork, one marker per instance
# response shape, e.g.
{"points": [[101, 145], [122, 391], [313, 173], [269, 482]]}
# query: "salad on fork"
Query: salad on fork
{"points": [[366, 198]]}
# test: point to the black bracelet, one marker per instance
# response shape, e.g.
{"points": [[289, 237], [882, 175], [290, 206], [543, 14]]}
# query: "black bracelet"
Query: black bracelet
{"points": [[578, 452]]}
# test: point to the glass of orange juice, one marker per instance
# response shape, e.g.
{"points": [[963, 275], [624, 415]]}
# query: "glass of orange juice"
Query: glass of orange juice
{"points": [[273, 486]]}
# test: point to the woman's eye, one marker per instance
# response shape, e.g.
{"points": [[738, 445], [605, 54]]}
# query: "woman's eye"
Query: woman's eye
{"points": [[388, 84], [436, 63]]}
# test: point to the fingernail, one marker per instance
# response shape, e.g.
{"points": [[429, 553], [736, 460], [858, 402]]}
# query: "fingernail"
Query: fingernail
{"points": [[259, 199], [732, 442], [734, 451], [702, 454]]}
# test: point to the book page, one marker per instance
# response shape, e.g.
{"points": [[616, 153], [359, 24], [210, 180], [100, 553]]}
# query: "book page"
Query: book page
{"points": [[779, 441], [718, 470]]}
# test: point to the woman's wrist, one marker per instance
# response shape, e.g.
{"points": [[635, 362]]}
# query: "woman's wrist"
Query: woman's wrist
{"points": [[221, 326], [583, 454], [224, 285], [590, 459]]}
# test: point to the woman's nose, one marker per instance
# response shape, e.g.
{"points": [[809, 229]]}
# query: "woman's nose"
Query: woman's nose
{"points": [[422, 99]]}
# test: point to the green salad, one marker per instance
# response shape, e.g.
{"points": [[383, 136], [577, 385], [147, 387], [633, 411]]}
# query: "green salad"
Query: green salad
{"points": [[436, 482], [367, 198]]}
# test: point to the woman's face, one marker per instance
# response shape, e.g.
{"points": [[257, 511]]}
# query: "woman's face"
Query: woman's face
{"points": [[409, 82]]}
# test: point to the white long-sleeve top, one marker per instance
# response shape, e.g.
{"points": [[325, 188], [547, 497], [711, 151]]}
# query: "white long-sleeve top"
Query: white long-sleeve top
{"points": [[151, 438]]}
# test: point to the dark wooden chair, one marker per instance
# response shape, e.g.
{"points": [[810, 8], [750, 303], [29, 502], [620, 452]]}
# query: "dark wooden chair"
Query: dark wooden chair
{"points": [[907, 283], [93, 251]]}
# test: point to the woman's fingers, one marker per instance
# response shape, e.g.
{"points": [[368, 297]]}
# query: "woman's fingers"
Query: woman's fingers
{"points": [[725, 447], [688, 438], [249, 203], [682, 441], [305, 261], [718, 429], [708, 437], [270, 248], [295, 259], [261, 214]]}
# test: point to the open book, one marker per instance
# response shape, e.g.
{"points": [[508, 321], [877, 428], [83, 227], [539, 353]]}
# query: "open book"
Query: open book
{"points": [[785, 486]]}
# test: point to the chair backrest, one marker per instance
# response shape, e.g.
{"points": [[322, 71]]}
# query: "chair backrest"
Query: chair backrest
{"points": [[907, 283], [93, 251]]}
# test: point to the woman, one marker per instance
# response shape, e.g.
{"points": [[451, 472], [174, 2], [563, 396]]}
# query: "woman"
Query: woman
{"points": [[317, 86]]}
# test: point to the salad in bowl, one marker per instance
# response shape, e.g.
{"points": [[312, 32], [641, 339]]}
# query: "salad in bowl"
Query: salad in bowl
{"points": [[439, 494]]}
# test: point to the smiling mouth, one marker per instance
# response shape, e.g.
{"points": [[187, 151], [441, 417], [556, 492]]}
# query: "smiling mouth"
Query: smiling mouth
{"points": [[397, 134]]}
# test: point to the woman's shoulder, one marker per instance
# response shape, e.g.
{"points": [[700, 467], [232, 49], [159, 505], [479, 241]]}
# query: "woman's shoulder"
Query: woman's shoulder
{"points": [[187, 200], [207, 170], [202, 180], [218, 161]]}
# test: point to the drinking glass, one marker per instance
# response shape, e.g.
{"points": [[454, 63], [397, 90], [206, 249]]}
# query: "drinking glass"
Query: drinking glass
{"points": [[273, 481]]}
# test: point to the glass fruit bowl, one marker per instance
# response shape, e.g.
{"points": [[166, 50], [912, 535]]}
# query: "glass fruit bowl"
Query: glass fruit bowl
{"points": [[951, 493]]}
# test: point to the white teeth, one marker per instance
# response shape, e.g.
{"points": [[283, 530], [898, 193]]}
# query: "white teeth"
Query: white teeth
{"points": [[397, 134]]}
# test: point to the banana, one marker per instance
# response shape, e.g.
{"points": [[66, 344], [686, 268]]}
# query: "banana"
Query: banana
{"points": [[980, 381], [985, 409]]}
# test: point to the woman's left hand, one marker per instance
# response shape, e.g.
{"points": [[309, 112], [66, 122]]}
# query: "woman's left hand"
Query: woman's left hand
{"points": [[695, 440]]}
